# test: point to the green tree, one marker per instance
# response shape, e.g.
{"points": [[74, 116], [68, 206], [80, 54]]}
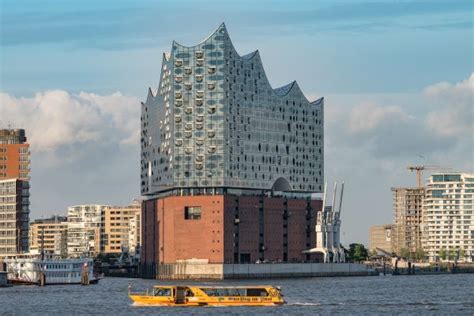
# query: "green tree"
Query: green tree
{"points": [[405, 253], [452, 254], [443, 254], [420, 254], [357, 252]]}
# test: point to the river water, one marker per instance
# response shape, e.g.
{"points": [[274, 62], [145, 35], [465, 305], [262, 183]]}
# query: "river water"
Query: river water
{"points": [[429, 294]]}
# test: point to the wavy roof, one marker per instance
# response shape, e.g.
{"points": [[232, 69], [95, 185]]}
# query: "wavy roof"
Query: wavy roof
{"points": [[280, 92]]}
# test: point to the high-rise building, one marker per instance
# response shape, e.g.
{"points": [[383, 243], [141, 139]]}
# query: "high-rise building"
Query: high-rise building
{"points": [[85, 230], [448, 221], [407, 205], [14, 155], [229, 165], [49, 235], [121, 228], [380, 237], [215, 123], [14, 216]]}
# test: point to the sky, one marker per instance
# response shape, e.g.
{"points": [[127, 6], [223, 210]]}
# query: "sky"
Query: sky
{"points": [[397, 77]]}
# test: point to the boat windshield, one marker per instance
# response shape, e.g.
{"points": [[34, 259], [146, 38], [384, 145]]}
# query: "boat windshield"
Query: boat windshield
{"points": [[235, 292], [161, 291]]}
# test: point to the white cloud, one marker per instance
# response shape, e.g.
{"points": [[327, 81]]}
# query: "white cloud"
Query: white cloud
{"points": [[55, 119], [368, 116], [454, 108]]}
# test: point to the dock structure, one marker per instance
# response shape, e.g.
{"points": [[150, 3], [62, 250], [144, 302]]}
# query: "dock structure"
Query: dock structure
{"points": [[207, 271], [3, 279]]}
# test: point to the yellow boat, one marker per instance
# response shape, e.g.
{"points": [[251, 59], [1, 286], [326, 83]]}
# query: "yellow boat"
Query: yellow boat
{"points": [[191, 295]]}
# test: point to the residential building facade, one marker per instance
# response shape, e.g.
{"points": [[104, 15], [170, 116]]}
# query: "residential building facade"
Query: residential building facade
{"points": [[49, 235], [448, 221], [85, 230], [122, 228], [14, 216], [380, 238], [14, 155], [406, 235]]}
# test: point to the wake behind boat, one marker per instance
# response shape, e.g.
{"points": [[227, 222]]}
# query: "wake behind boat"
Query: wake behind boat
{"points": [[209, 296]]}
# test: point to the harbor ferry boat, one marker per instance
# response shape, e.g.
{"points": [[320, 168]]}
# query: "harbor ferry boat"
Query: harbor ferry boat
{"points": [[191, 295], [32, 269]]}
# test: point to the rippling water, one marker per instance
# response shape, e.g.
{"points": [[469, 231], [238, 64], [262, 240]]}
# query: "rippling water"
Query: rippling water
{"points": [[431, 294]]}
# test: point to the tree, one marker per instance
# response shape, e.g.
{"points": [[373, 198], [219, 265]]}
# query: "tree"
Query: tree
{"points": [[357, 252], [405, 253], [420, 254], [452, 254], [443, 254]]}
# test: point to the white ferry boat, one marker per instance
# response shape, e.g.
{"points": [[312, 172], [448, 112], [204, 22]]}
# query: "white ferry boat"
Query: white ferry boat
{"points": [[31, 269]]}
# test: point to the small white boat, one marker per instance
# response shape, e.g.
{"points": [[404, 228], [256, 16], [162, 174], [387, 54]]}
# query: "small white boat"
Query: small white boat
{"points": [[31, 269]]}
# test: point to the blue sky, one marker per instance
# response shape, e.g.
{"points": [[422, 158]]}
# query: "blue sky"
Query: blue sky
{"points": [[399, 63]]}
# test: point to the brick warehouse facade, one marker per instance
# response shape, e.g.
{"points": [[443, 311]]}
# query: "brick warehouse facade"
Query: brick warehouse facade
{"points": [[227, 229]]}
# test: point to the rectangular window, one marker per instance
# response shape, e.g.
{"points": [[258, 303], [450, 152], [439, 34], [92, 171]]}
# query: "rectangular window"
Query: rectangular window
{"points": [[192, 212]]}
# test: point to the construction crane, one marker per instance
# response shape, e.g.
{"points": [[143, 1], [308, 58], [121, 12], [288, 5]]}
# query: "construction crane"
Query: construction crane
{"points": [[419, 172]]}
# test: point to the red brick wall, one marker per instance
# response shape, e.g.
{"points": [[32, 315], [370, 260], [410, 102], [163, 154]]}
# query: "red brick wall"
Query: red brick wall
{"points": [[230, 228], [169, 237], [186, 239], [296, 229], [248, 227], [273, 228]]}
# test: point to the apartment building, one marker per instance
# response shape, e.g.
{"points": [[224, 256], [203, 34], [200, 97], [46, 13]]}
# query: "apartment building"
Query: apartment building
{"points": [[49, 235], [122, 228], [14, 155], [85, 230], [448, 221], [14, 216]]}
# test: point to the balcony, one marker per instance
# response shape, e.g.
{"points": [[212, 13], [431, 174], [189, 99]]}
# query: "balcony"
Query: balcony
{"points": [[211, 70]]}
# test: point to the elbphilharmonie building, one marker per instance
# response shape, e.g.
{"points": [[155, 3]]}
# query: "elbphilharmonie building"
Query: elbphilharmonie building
{"points": [[215, 123], [229, 165]]}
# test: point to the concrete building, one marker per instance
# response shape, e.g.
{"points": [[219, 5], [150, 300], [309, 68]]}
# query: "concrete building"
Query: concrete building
{"points": [[85, 230], [448, 222], [406, 234], [229, 165], [14, 155], [135, 233], [380, 238], [14, 216], [122, 228], [49, 235]]}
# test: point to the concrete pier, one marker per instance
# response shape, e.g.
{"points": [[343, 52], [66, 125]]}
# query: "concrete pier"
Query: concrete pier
{"points": [[198, 271]]}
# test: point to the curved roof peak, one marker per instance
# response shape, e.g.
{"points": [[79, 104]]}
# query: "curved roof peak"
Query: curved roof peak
{"points": [[284, 90], [250, 55], [221, 29]]}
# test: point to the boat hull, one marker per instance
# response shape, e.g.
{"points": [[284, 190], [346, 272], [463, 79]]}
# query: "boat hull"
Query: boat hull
{"points": [[140, 300], [209, 296]]}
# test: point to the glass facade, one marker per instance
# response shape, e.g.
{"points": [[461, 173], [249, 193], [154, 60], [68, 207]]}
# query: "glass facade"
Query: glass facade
{"points": [[215, 121]]}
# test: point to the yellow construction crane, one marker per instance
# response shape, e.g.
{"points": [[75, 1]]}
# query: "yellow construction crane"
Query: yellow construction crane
{"points": [[419, 172]]}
